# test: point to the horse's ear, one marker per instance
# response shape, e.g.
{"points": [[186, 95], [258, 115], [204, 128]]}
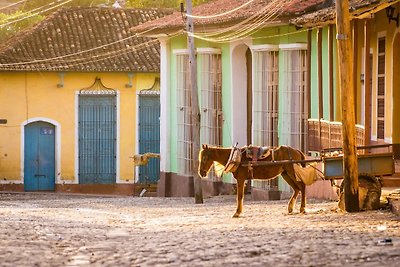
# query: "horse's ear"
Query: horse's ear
{"points": [[204, 146]]}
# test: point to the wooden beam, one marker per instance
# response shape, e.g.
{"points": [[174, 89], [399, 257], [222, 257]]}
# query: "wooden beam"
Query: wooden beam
{"points": [[345, 55], [330, 77], [320, 76], [367, 83], [308, 79], [355, 65], [198, 192]]}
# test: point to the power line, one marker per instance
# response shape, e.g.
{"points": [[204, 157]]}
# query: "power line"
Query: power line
{"points": [[13, 4], [270, 8], [238, 31], [34, 14], [260, 13], [29, 11], [221, 14]]}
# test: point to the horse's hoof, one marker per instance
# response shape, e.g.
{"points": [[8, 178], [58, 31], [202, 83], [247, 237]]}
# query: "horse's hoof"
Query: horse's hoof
{"points": [[236, 215], [303, 211]]}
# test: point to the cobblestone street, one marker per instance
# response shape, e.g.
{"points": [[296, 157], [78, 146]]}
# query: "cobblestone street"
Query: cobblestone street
{"points": [[77, 230]]}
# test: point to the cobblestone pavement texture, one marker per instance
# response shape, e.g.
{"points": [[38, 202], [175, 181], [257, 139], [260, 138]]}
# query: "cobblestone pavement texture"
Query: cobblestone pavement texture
{"points": [[80, 230]]}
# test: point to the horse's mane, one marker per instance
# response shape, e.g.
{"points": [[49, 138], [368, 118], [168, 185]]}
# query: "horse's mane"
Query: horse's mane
{"points": [[218, 169]]}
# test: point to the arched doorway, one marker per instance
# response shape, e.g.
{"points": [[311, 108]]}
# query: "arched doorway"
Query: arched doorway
{"points": [[39, 156], [396, 88], [241, 94]]}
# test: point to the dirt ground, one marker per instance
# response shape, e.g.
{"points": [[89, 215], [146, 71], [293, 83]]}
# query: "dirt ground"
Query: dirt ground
{"points": [[79, 230]]}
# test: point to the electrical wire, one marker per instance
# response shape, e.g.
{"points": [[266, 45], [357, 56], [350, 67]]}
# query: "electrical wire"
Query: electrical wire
{"points": [[221, 14], [243, 30], [34, 14], [252, 22], [236, 26], [13, 4], [29, 11]]}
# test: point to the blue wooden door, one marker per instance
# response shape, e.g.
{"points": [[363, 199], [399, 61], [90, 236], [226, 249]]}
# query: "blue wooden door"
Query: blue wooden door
{"points": [[149, 136], [97, 139], [39, 157]]}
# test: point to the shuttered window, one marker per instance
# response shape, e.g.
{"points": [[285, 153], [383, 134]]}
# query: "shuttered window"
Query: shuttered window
{"points": [[210, 86], [293, 88], [184, 120], [265, 96], [210, 89], [381, 88], [265, 102]]}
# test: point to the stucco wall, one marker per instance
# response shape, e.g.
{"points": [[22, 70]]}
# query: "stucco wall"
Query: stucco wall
{"points": [[24, 96]]}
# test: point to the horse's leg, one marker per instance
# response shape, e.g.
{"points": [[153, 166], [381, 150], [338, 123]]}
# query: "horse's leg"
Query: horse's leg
{"points": [[299, 185], [239, 197], [303, 197], [295, 188]]}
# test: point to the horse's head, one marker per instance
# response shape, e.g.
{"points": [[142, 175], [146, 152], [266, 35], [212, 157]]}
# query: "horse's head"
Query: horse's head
{"points": [[205, 161]]}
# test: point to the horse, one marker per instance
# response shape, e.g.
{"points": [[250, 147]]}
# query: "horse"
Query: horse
{"points": [[210, 155]]}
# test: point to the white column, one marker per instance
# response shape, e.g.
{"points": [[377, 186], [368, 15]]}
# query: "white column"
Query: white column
{"points": [[165, 109]]}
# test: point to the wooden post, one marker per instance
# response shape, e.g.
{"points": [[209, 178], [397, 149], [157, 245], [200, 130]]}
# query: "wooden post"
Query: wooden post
{"points": [[198, 192], [345, 57]]}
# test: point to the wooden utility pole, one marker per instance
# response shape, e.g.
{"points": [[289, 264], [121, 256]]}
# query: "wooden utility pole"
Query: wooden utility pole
{"points": [[345, 54], [198, 192]]}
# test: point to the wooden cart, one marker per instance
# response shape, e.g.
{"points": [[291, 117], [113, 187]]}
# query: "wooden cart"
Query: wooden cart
{"points": [[373, 164]]}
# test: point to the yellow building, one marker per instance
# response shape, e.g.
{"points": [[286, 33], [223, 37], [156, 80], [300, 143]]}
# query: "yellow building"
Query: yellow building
{"points": [[79, 95]]}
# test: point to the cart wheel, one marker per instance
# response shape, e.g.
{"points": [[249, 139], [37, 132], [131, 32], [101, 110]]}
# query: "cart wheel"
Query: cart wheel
{"points": [[369, 193]]}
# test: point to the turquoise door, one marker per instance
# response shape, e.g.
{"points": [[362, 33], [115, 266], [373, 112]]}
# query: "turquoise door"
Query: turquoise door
{"points": [[39, 157], [97, 139], [149, 136]]}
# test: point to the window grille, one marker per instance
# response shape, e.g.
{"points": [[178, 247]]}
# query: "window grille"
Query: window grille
{"points": [[210, 85], [294, 110], [265, 104], [97, 134], [184, 131], [265, 98]]}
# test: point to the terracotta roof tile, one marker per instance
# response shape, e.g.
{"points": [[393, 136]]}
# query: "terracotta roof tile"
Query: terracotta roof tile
{"points": [[328, 15], [175, 21], [85, 39]]}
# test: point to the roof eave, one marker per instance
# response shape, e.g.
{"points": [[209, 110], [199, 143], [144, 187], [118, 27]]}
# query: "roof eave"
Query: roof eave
{"points": [[362, 13]]}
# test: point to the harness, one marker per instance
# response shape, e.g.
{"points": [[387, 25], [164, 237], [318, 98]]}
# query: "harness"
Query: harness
{"points": [[234, 159], [256, 153]]}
